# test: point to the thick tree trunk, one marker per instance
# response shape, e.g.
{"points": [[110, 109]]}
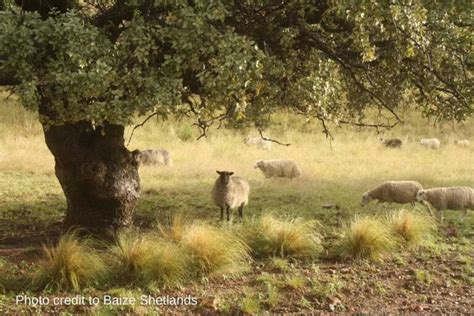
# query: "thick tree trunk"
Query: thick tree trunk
{"points": [[99, 176]]}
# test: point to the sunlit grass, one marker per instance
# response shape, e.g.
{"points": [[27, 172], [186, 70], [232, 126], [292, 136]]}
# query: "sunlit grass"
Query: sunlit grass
{"points": [[148, 260], [215, 251], [365, 238], [413, 229], [269, 236], [71, 264]]}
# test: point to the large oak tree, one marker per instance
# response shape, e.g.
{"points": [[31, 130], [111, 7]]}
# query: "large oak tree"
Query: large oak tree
{"points": [[89, 67]]}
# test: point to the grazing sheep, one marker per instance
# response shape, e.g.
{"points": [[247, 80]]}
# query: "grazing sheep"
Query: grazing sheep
{"points": [[155, 157], [278, 168], [452, 198], [432, 143], [258, 142], [391, 142], [393, 191], [462, 142], [230, 192]]}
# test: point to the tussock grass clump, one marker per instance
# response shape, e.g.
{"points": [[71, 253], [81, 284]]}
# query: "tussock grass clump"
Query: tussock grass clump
{"points": [[215, 251], [365, 238], [175, 231], [269, 236], [148, 260], [72, 264], [414, 229]]}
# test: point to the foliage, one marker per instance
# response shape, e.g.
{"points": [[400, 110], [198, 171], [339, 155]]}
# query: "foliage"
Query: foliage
{"points": [[365, 238], [105, 62], [71, 264], [269, 236], [414, 229]]}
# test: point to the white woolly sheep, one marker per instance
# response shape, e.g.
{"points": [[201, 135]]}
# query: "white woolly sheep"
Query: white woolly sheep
{"points": [[432, 143], [400, 192], [155, 157], [391, 142], [462, 143], [258, 142], [230, 192], [452, 198], [279, 168]]}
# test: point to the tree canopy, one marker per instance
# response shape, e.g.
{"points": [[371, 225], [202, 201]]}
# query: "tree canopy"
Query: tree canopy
{"points": [[237, 61]]}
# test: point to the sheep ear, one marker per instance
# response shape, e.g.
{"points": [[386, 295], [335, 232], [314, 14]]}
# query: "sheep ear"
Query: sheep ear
{"points": [[219, 172], [231, 173]]}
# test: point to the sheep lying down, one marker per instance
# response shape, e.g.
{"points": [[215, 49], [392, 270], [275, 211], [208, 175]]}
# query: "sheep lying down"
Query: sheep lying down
{"points": [[452, 198], [400, 192]]}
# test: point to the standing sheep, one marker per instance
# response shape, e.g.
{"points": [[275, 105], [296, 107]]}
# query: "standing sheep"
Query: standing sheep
{"points": [[258, 142], [278, 168], [393, 191], [391, 142], [155, 157], [432, 143], [462, 143], [230, 192], [453, 198]]}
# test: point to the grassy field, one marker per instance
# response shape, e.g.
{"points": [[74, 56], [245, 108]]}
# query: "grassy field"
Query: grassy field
{"points": [[437, 278]]}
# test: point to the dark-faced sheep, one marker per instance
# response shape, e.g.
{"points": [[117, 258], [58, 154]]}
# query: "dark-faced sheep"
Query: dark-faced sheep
{"points": [[391, 142], [230, 192], [400, 192]]}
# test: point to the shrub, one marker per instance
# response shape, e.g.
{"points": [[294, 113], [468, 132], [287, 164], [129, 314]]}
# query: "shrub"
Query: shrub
{"points": [[72, 264], [414, 229], [215, 251], [268, 236], [365, 238], [148, 260]]}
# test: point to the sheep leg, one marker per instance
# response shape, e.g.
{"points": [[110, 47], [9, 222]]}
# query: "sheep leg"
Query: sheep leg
{"points": [[222, 213], [241, 211], [429, 208], [440, 215], [228, 212], [464, 214]]}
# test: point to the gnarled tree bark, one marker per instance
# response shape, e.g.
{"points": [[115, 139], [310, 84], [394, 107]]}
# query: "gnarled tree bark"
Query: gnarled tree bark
{"points": [[97, 173]]}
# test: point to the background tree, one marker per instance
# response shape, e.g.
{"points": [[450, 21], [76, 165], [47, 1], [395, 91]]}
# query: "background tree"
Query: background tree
{"points": [[90, 67]]}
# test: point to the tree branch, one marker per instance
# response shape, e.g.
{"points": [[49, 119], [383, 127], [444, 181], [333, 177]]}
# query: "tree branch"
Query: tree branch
{"points": [[272, 140], [140, 125]]}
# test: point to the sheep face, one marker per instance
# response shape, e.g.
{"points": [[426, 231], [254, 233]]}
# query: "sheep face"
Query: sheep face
{"points": [[365, 199], [258, 164], [224, 176], [421, 195]]}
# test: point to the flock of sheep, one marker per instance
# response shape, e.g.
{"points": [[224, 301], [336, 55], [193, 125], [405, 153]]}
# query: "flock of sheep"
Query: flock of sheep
{"points": [[402, 192], [432, 143], [230, 192]]}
